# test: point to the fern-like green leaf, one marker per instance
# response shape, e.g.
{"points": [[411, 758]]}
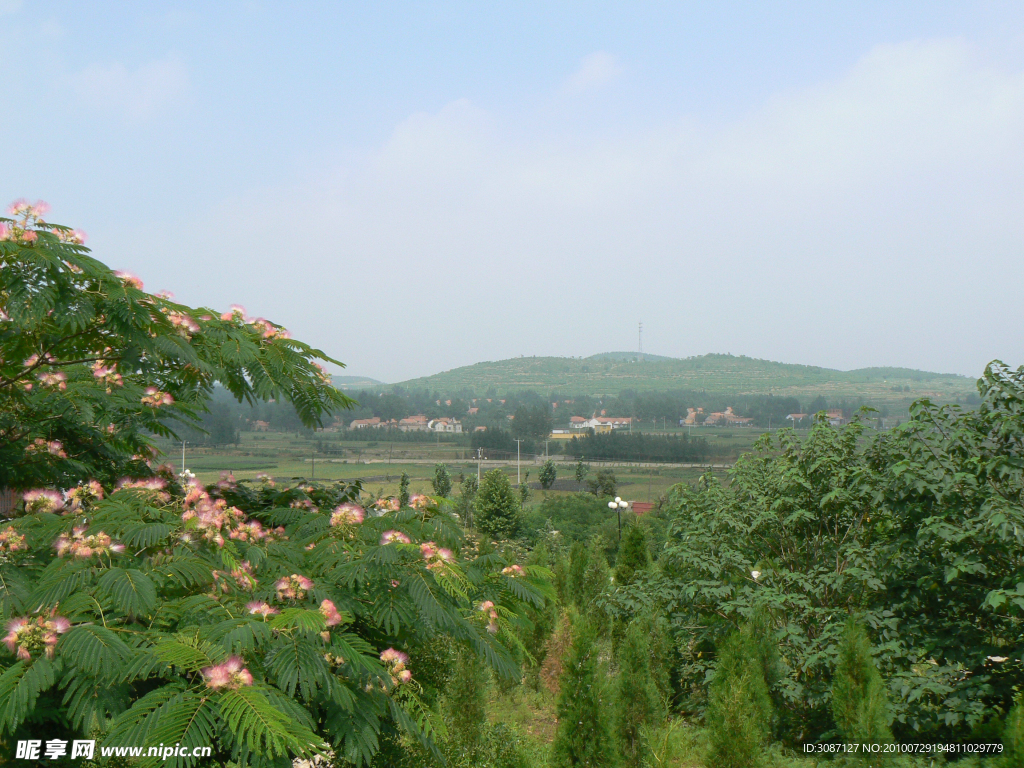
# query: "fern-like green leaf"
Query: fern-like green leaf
{"points": [[95, 650], [20, 686], [132, 591]]}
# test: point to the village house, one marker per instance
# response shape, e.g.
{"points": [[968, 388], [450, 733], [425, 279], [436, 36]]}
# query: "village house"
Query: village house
{"points": [[692, 417], [364, 423], [444, 425], [726, 418], [600, 424], [417, 423], [260, 426]]}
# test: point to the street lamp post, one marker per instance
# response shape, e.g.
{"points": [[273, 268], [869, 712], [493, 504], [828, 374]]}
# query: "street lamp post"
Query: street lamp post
{"points": [[618, 505]]}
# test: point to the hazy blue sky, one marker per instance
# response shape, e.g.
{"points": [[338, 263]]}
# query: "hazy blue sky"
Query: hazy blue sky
{"points": [[419, 186]]}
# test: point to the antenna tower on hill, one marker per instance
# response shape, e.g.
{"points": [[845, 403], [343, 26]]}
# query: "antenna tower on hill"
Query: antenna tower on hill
{"points": [[640, 347]]}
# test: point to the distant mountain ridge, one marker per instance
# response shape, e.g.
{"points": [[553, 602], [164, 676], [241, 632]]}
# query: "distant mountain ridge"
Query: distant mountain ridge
{"points": [[610, 373]]}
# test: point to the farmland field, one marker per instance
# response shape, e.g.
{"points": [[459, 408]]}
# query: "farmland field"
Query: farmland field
{"points": [[380, 464]]}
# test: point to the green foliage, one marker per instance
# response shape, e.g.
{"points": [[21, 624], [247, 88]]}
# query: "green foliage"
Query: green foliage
{"points": [[604, 484], [584, 737], [634, 555], [587, 576], [266, 622], [497, 506], [859, 702], [524, 490], [465, 703], [1013, 737], [403, 490], [531, 422], [548, 474], [581, 472], [465, 504], [919, 530], [442, 481], [576, 517], [739, 712], [150, 624], [91, 366], [641, 447], [638, 703]]}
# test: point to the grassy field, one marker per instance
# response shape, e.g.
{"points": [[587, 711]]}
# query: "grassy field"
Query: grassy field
{"points": [[726, 374]]}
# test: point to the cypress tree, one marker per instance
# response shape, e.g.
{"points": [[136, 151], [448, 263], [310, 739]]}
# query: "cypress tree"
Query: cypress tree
{"points": [[465, 703], [584, 736], [588, 573], [403, 490], [859, 703], [497, 508], [442, 481], [467, 496], [739, 712], [638, 703], [634, 555]]}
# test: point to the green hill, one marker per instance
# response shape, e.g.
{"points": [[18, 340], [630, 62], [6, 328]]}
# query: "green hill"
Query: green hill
{"points": [[612, 373]]}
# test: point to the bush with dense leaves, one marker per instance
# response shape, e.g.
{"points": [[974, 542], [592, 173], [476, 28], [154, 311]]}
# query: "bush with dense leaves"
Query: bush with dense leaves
{"points": [[919, 530]]}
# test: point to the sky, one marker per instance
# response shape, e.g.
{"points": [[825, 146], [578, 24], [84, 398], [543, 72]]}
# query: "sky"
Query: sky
{"points": [[412, 187]]}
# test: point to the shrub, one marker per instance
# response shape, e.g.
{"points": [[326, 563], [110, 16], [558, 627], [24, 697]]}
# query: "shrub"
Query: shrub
{"points": [[604, 484], [548, 475]]}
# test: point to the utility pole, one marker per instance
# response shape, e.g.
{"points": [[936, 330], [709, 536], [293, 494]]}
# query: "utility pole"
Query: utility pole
{"points": [[640, 346], [479, 452], [546, 448], [313, 475], [183, 456], [519, 477]]}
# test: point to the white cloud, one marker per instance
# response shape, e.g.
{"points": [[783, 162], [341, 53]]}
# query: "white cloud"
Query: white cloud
{"points": [[595, 72], [873, 220], [136, 95]]}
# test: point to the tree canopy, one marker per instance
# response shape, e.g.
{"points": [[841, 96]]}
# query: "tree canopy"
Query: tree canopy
{"points": [[91, 365]]}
